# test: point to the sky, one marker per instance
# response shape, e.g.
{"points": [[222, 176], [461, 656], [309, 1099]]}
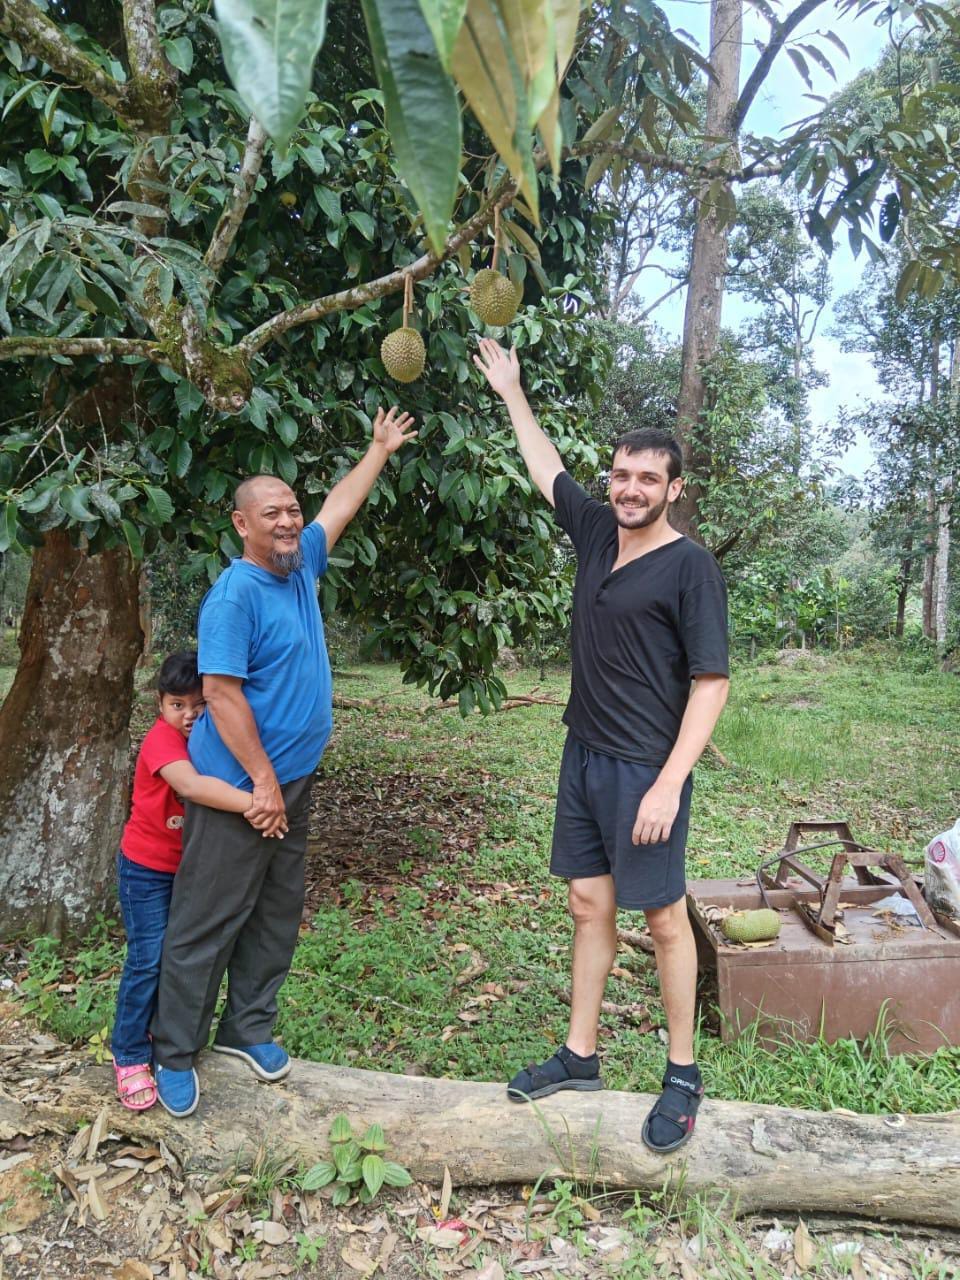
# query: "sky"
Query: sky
{"points": [[851, 379]]}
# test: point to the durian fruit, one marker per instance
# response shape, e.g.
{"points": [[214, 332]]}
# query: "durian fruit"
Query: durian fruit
{"points": [[493, 297], [403, 354], [751, 926]]}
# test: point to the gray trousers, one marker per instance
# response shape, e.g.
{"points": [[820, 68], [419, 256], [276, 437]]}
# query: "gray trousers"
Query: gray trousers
{"points": [[236, 909]]}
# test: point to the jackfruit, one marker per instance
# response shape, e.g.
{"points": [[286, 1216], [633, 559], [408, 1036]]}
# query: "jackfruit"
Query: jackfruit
{"points": [[403, 355], [751, 926], [493, 297]]}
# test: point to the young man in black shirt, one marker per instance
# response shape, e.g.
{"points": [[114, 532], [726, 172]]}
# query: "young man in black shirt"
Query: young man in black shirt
{"points": [[650, 678]]}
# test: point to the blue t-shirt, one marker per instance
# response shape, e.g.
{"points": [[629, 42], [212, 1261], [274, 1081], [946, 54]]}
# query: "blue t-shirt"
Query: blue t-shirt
{"points": [[267, 630]]}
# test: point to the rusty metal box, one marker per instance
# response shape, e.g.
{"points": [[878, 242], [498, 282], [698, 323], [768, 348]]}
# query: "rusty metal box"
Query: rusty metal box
{"points": [[802, 985]]}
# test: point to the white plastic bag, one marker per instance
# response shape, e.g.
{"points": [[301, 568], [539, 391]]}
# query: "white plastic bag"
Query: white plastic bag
{"points": [[941, 875]]}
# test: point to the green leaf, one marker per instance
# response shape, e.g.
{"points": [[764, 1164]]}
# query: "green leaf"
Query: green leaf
{"points": [[422, 112], [490, 79], [158, 504], [908, 278], [180, 53], [889, 217], [73, 499], [8, 526], [18, 97], [341, 1194], [319, 1175], [286, 428], [329, 202], [39, 161], [374, 1171], [395, 1175], [46, 115], [531, 33], [340, 1130], [134, 541], [269, 47], [105, 502], [373, 1139], [444, 18], [363, 222]]}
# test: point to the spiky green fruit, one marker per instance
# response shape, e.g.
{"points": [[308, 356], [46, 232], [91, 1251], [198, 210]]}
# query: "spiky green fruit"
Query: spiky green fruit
{"points": [[752, 926], [403, 355], [493, 297]]}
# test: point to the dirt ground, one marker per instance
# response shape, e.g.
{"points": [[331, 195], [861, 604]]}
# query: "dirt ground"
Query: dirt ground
{"points": [[88, 1203]]}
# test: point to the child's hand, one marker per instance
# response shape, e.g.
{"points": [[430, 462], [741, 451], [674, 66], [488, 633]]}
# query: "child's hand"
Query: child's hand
{"points": [[259, 823]]}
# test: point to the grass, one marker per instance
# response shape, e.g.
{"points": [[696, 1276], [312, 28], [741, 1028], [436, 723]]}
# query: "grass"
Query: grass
{"points": [[461, 967]]}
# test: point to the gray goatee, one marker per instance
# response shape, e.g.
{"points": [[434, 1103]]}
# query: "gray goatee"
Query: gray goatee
{"points": [[287, 562]]}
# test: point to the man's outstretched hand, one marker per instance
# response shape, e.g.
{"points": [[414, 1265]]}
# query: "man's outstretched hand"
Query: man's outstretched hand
{"points": [[500, 368], [392, 430]]}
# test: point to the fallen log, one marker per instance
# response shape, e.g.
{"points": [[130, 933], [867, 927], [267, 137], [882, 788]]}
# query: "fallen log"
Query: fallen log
{"points": [[905, 1168]]}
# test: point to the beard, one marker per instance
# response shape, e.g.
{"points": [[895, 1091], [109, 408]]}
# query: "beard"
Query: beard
{"points": [[287, 562], [639, 517]]}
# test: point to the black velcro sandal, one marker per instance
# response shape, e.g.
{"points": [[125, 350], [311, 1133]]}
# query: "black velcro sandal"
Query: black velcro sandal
{"points": [[561, 1071], [679, 1104]]}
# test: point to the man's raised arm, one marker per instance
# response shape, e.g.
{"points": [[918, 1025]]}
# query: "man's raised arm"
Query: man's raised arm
{"points": [[502, 371], [390, 431]]}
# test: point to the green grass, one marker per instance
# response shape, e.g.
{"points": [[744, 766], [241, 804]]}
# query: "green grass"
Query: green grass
{"points": [[861, 736]]}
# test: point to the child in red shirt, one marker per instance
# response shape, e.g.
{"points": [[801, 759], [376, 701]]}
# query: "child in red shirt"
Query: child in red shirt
{"points": [[148, 859]]}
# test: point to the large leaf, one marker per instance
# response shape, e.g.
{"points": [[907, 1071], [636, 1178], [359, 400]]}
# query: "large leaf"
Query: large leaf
{"points": [[444, 18], [269, 47], [530, 28], [489, 76], [422, 112], [566, 16]]}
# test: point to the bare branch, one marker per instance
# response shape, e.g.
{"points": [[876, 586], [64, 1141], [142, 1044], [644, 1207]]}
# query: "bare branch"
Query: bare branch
{"points": [[666, 164], [235, 208], [18, 348], [22, 21], [681, 284], [778, 37], [347, 299]]}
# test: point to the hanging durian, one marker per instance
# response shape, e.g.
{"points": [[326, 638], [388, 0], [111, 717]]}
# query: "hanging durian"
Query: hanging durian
{"points": [[402, 352], [493, 296]]}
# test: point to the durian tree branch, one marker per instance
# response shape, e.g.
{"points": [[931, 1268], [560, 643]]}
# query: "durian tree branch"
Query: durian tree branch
{"points": [[153, 79], [348, 299], [18, 348], [33, 31], [229, 223], [666, 164]]}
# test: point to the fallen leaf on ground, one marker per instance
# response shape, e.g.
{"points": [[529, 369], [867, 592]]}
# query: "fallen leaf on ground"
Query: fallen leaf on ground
{"points": [[491, 1270], [804, 1251], [132, 1269], [446, 1192], [97, 1131], [357, 1260]]}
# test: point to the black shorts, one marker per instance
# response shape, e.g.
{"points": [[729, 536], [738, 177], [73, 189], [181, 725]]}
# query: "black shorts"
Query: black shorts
{"points": [[597, 801]]}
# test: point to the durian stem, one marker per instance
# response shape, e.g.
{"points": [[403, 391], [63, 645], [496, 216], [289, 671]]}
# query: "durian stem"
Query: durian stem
{"points": [[496, 237], [407, 298]]}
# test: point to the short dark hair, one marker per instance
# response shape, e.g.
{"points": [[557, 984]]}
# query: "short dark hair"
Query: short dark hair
{"points": [[178, 673], [656, 441]]}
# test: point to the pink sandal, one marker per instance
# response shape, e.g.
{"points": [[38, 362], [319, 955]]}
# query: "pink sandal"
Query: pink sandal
{"points": [[133, 1080]]}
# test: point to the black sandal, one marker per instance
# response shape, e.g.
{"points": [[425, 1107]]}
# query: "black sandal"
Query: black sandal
{"points": [[678, 1104], [540, 1080]]}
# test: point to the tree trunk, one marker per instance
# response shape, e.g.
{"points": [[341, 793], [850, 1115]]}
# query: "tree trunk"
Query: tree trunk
{"points": [[708, 261], [929, 562], [942, 568], [903, 585], [64, 741], [766, 1158]]}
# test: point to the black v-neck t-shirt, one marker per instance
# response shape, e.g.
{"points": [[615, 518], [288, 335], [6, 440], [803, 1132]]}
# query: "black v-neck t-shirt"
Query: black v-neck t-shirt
{"points": [[640, 634]]}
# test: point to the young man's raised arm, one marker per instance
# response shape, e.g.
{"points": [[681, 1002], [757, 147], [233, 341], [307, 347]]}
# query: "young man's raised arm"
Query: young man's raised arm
{"points": [[345, 499], [502, 371]]}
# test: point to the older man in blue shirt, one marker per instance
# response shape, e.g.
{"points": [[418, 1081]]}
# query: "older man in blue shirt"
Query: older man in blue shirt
{"points": [[237, 898]]}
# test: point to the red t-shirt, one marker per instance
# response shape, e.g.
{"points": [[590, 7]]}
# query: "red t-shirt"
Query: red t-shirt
{"points": [[153, 835]]}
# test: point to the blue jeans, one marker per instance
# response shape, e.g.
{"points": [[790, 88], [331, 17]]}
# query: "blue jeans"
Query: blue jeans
{"points": [[145, 902]]}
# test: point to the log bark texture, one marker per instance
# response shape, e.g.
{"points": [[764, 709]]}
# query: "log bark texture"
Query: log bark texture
{"points": [[769, 1158]]}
